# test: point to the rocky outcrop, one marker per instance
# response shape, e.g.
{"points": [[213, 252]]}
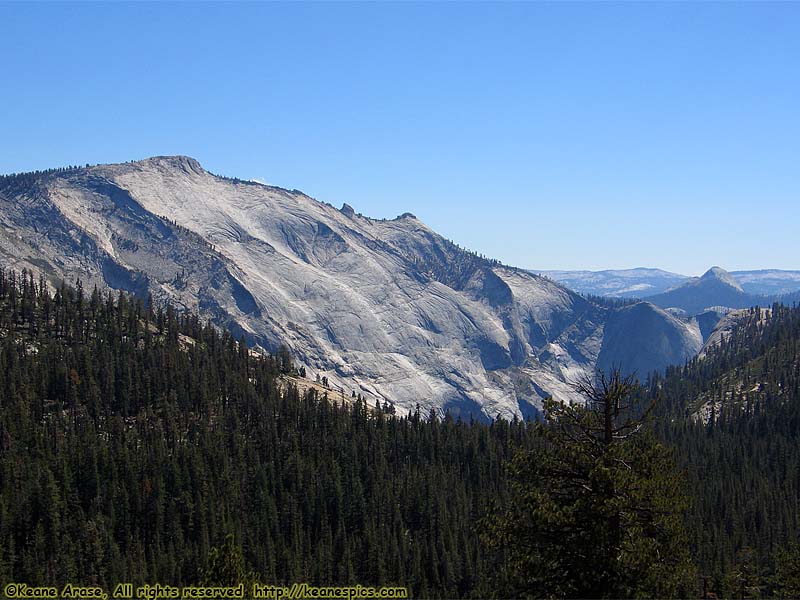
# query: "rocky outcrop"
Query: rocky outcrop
{"points": [[386, 308], [642, 338]]}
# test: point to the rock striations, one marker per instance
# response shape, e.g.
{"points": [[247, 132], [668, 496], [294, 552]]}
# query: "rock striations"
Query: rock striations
{"points": [[385, 308]]}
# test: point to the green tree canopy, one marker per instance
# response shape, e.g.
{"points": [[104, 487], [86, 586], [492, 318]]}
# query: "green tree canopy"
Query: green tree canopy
{"points": [[596, 513]]}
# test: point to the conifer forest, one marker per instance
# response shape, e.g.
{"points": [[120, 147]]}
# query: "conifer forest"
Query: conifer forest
{"points": [[139, 443]]}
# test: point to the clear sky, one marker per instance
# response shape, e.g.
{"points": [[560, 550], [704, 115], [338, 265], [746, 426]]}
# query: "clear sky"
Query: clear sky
{"points": [[563, 136]]}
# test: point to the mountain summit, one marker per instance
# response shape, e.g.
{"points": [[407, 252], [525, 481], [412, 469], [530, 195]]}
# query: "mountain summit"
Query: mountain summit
{"points": [[720, 275], [384, 308], [716, 287]]}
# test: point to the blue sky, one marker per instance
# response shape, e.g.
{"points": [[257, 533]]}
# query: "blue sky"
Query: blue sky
{"points": [[563, 135]]}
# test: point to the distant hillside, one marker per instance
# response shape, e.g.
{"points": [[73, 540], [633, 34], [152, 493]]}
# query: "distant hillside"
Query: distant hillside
{"points": [[768, 282], [617, 283], [642, 282], [715, 288]]}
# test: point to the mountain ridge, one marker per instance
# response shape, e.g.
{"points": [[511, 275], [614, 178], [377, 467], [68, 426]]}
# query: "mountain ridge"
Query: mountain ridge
{"points": [[387, 308], [643, 282], [716, 287]]}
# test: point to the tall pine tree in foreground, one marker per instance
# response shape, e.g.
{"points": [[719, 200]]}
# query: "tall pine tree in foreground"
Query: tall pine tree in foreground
{"points": [[597, 512]]}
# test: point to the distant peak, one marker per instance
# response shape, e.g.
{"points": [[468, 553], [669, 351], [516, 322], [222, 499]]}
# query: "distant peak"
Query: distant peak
{"points": [[715, 272], [720, 274]]}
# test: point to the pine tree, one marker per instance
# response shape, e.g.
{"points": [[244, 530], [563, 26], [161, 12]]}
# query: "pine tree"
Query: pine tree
{"points": [[597, 512], [226, 566]]}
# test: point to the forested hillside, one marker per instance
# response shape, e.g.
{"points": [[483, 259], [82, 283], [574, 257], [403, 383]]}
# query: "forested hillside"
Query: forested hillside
{"points": [[743, 459], [134, 440]]}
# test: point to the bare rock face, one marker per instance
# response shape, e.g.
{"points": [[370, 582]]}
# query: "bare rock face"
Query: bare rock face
{"points": [[642, 338], [388, 309]]}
